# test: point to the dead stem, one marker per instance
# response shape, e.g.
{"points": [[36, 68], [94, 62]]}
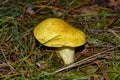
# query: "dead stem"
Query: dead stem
{"points": [[86, 60], [53, 7], [116, 35]]}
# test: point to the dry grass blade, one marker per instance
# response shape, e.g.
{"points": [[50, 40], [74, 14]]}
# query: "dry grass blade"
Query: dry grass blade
{"points": [[116, 35], [7, 63], [86, 60]]}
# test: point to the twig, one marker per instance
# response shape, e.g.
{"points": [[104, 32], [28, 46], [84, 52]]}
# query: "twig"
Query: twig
{"points": [[79, 6], [53, 7], [57, 8], [114, 19], [86, 60]]}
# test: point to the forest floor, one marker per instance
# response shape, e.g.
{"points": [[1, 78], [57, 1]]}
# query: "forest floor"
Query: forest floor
{"points": [[22, 57]]}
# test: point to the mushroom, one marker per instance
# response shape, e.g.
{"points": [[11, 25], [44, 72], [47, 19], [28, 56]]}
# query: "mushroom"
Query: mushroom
{"points": [[54, 32]]}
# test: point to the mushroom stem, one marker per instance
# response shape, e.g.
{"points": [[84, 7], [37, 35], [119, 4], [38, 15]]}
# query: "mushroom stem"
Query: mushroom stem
{"points": [[67, 54]]}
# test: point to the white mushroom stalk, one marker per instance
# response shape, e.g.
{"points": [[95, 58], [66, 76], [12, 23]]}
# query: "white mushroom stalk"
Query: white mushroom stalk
{"points": [[67, 54]]}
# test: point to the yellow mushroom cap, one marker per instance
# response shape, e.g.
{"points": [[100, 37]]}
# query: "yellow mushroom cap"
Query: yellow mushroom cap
{"points": [[54, 32]]}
